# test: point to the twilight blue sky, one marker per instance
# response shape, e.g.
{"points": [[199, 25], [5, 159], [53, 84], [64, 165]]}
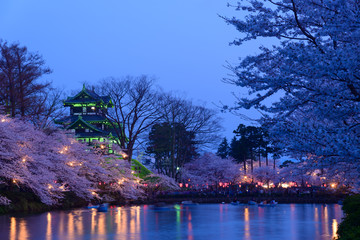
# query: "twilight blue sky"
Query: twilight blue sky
{"points": [[183, 43]]}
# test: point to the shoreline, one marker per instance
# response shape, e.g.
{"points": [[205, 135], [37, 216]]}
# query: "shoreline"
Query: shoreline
{"points": [[243, 200], [177, 199]]}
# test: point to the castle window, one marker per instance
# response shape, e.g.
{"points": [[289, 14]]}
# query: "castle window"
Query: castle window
{"points": [[76, 110]]}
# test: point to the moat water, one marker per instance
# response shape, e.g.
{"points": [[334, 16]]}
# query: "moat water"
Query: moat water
{"points": [[191, 222]]}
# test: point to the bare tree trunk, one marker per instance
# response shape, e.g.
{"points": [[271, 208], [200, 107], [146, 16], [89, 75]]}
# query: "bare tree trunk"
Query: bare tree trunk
{"points": [[245, 164], [252, 164], [172, 157], [267, 160], [21, 90], [274, 163], [12, 97], [259, 158], [130, 151]]}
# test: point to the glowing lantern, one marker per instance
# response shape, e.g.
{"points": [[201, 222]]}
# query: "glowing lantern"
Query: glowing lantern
{"points": [[63, 150], [181, 185], [186, 185], [333, 185], [220, 184]]}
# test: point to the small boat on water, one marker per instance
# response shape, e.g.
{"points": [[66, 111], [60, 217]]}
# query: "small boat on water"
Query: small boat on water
{"points": [[235, 203], [252, 203], [272, 203], [91, 206], [161, 206], [187, 203], [103, 207]]}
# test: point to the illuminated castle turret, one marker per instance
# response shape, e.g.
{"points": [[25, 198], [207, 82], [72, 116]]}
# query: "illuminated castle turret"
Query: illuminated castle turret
{"points": [[87, 117]]}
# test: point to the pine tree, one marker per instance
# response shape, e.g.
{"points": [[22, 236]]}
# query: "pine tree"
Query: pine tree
{"points": [[223, 150]]}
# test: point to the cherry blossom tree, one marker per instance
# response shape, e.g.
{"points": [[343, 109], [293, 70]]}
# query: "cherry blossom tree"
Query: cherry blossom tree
{"points": [[210, 169], [50, 164], [313, 73], [156, 183], [266, 174], [301, 173]]}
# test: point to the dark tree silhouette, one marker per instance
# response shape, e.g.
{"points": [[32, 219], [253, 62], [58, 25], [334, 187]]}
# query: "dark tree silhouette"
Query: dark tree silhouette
{"points": [[223, 150], [20, 92], [172, 146]]}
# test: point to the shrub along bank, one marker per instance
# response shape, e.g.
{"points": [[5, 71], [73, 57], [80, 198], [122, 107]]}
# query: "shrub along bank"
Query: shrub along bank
{"points": [[349, 228], [24, 200]]}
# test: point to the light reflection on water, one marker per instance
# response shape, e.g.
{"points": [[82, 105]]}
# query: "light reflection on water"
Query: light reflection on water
{"points": [[207, 221]]}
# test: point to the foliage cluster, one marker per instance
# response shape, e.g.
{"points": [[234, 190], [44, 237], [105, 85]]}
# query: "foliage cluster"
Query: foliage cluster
{"points": [[50, 165], [210, 169], [172, 146], [312, 76], [349, 228], [249, 144]]}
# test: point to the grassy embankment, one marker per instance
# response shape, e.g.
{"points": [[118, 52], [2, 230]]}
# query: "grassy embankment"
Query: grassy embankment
{"points": [[140, 170]]}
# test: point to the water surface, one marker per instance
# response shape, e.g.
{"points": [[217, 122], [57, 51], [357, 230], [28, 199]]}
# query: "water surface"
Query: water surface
{"points": [[205, 221]]}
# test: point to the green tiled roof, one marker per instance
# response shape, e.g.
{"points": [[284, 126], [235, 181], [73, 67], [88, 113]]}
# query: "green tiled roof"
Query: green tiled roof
{"points": [[81, 121], [87, 118], [92, 98]]}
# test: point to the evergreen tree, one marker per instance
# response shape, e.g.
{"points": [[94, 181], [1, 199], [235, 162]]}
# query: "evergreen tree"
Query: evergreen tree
{"points": [[172, 146], [223, 150], [239, 150]]}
